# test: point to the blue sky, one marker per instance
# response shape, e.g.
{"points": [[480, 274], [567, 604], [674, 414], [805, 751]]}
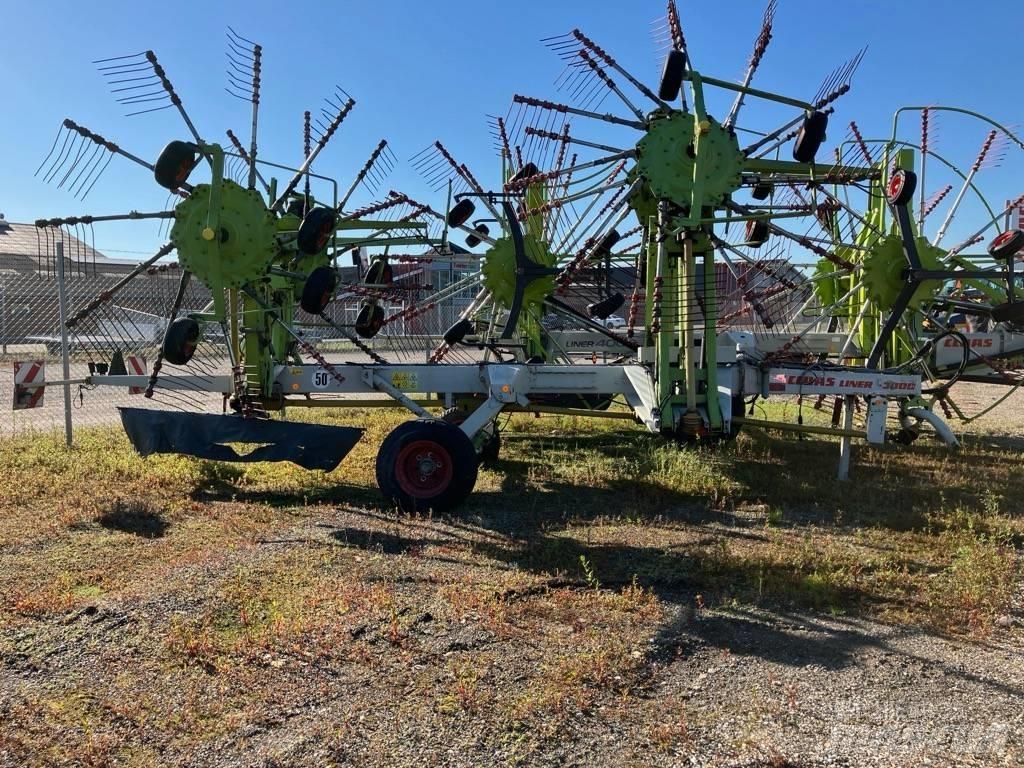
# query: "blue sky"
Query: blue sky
{"points": [[421, 71]]}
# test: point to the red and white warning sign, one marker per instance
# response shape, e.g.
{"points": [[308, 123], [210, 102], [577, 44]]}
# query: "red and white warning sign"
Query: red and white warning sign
{"points": [[136, 367], [29, 384]]}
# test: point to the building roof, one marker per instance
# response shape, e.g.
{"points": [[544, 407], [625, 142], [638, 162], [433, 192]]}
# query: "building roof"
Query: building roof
{"points": [[26, 248]]}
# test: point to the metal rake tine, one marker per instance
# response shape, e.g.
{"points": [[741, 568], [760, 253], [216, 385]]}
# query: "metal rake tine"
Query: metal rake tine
{"points": [[979, 162], [764, 38], [661, 35], [675, 27], [600, 54], [61, 159], [839, 81], [118, 58], [95, 178], [147, 111], [564, 46], [53, 148], [991, 151], [936, 199], [80, 189], [114, 70], [861, 144], [242, 72], [238, 51], [237, 36], [148, 58], [382, 160], [149, 78], [317, 148], [90, 160], [135, 69]]}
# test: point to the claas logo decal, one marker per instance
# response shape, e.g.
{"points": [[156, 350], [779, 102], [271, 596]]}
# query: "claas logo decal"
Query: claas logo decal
{"points": [[952, 341], [780, 382]]}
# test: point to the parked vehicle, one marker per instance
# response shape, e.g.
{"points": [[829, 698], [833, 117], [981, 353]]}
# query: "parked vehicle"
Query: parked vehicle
{"points": [[614, 322]]}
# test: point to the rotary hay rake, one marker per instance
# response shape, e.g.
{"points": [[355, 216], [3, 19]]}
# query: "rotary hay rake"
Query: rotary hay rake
{"points": [[699, 343], [909, 299]]}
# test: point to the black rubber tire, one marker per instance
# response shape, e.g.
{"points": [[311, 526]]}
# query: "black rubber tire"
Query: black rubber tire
{"points": [[809, 139], [315, 230], [369, 320], [757, 233], [900, 187], [1005, 246], [318, 290], [607, 242], [603, 309], [490, 451], [672, 75], [762, 190], [460, 212], [472, 240], [1011, 312], [175, 163], [445, 449], [181, 341], [379, 273], [458, 331], [525, 172], [904, 436], [491, 448]]}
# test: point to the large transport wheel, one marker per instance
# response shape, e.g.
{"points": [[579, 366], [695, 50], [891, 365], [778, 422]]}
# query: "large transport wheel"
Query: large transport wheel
{"points": [[426, 464]]}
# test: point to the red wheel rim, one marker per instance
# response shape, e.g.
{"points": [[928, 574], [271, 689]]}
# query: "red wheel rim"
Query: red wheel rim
{"points": [[896, 184], [1004, 238], [423, 469], [751, 227]]}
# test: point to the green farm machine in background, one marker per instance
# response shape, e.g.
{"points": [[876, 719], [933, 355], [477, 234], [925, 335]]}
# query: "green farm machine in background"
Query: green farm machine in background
{"points": [[673, 242]]}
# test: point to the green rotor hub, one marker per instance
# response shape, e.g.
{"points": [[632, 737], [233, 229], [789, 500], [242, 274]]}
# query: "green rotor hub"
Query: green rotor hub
{"points": [[244, 247], [499, 273], [883, 272], [666, 159]]}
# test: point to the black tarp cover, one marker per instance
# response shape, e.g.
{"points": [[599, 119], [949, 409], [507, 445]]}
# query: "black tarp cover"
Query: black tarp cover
{"points": [[204, 435]]}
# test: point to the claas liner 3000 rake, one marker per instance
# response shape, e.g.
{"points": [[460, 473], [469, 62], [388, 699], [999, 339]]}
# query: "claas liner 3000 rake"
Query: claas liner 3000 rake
{"points": [[691, 361]]}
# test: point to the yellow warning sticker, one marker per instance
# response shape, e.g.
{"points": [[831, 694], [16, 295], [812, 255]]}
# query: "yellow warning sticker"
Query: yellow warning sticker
{"points": [[403, 380], [296, 371]]}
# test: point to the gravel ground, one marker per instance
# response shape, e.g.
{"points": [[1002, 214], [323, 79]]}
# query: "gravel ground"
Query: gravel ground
{"points": [[735, 686]]}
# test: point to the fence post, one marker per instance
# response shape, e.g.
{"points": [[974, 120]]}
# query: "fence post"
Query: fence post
{"points": [[3, 319], [65, 352], [845, 442]]}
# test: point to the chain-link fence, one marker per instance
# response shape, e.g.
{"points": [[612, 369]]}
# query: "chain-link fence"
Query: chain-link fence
{"points": [[122, 330], [116, 315]]}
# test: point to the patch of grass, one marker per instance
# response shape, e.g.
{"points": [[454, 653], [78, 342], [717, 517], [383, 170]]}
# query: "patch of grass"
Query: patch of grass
{"points": [[222, 596]]}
